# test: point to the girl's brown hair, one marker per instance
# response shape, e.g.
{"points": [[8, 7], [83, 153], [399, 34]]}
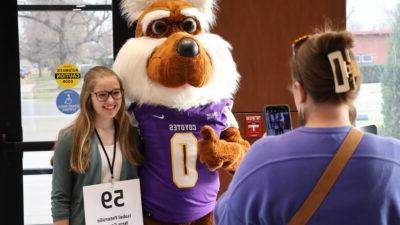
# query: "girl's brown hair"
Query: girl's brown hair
{"points": [[83, 127], [311, 67]]}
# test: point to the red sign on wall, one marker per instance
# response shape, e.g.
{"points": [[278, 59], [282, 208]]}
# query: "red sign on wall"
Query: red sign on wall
{"points": [[253, 126]]}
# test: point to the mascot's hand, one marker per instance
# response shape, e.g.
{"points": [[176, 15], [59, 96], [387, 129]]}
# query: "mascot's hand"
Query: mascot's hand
{"points": [[217, 153], [209, 149]]}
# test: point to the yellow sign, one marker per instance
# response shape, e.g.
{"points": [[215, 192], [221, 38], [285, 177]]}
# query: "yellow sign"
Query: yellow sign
{"points": [[67, 75]]}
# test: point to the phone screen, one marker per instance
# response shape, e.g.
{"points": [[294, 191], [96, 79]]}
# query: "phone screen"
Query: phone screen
{"points": [[277, 119]]}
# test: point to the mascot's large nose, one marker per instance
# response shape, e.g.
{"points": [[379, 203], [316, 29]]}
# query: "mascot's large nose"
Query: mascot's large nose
{"points": [[187, 47]]}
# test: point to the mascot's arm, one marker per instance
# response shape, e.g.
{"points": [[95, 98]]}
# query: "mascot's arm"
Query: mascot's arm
{"points": [[222, 152]]}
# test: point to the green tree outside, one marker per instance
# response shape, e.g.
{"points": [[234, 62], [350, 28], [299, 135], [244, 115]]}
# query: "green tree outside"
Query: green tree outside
{"points": [[391, 83]]}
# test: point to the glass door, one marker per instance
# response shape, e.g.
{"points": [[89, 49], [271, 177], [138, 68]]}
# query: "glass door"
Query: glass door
{"points": [[57, 39], [10, 119]]}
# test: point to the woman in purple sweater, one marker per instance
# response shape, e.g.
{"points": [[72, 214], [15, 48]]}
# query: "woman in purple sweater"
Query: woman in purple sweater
{"points": [[278, 173]]}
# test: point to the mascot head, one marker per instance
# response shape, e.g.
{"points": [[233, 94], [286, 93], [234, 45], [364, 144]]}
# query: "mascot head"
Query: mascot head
{"points": [[173, 60]]}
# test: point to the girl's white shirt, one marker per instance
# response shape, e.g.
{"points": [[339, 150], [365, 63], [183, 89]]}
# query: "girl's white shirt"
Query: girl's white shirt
{"points": [[105, 169]]}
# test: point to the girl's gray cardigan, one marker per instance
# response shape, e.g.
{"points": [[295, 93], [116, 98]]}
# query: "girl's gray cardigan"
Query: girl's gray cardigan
{"points": [[67, 186]]}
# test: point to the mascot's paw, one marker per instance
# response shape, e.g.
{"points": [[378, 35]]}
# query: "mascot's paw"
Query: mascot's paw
{"points": [[209, 149], [216, 152]]}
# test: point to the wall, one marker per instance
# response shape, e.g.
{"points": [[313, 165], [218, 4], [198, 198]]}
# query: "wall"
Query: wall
{"points": [[261, 33]]}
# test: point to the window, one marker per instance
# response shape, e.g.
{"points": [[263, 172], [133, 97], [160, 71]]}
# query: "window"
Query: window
{"points": [[367, 59], [51, 36], [358, 58], [51, 33], [64, 2], [364, 58], [375, 26]]}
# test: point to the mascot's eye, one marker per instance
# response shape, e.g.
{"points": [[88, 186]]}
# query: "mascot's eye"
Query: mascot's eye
{"points": [[159, 27], [189, 25]]}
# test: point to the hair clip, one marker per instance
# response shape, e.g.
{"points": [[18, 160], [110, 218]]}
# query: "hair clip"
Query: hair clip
{"points": [[298, 42], [344, 71]]}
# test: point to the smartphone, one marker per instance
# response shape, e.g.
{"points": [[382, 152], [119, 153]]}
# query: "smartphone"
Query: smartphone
{"points": [[277, 119]]}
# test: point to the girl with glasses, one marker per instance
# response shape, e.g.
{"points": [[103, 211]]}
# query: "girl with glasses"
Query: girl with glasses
{"points": [[99, 147]]}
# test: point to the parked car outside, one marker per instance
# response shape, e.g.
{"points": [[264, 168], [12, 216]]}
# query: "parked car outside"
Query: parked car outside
{"points": [[24, 72]]}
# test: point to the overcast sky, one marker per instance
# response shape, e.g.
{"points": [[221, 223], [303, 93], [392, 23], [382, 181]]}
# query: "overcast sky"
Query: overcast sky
{"points": [[370, 14]]}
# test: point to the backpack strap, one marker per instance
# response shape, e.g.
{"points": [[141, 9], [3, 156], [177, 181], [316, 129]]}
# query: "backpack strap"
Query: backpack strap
{"points": [[328, 178]]}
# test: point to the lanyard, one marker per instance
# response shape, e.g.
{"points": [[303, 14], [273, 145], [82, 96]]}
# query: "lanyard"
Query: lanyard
{"points": [[110, 165]]}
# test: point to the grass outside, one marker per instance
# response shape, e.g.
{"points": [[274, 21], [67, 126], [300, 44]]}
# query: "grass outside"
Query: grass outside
{"points": [[42, 88], [369, 105]]}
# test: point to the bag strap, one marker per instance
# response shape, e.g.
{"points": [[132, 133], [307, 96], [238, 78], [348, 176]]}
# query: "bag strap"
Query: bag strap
{"points": [[328, 178]]}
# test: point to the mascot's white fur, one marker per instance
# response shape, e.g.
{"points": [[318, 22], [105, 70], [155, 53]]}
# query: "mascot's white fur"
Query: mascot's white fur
{"points": [[181, 80]]}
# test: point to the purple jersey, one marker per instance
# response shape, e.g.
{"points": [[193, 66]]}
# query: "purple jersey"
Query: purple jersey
{"points": [[175, 186]]}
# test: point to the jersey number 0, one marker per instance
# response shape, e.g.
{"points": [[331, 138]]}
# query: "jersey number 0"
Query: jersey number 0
{"points": [[184, 158]]}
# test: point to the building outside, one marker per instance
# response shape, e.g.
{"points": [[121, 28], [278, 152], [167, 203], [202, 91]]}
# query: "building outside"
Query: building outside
{"points": [[371, 47]]}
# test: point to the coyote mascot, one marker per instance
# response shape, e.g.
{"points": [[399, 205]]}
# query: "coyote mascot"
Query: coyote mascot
{"points": [[181, 80]]}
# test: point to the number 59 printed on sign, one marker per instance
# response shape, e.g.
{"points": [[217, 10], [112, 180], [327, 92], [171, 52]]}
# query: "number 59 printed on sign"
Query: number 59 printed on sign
{"points": [[117, 203], [107, 197]]}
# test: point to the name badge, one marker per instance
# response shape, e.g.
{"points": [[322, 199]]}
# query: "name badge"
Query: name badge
{"points": [[113, 204]]}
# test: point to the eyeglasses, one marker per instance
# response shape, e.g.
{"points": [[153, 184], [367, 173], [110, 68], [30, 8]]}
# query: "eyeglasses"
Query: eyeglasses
{"points": [[102, 96], [298, 42]]}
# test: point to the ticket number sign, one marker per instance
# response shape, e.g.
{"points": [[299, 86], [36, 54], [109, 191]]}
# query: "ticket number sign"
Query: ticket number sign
{"points": [[113, 204]]}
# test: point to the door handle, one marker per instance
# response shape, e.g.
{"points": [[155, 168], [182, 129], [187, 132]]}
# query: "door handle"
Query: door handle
{"points": [[32, 146]]}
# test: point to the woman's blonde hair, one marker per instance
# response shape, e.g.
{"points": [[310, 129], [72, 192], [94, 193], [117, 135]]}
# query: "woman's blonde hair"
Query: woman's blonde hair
{"points": [[83, 127]]}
